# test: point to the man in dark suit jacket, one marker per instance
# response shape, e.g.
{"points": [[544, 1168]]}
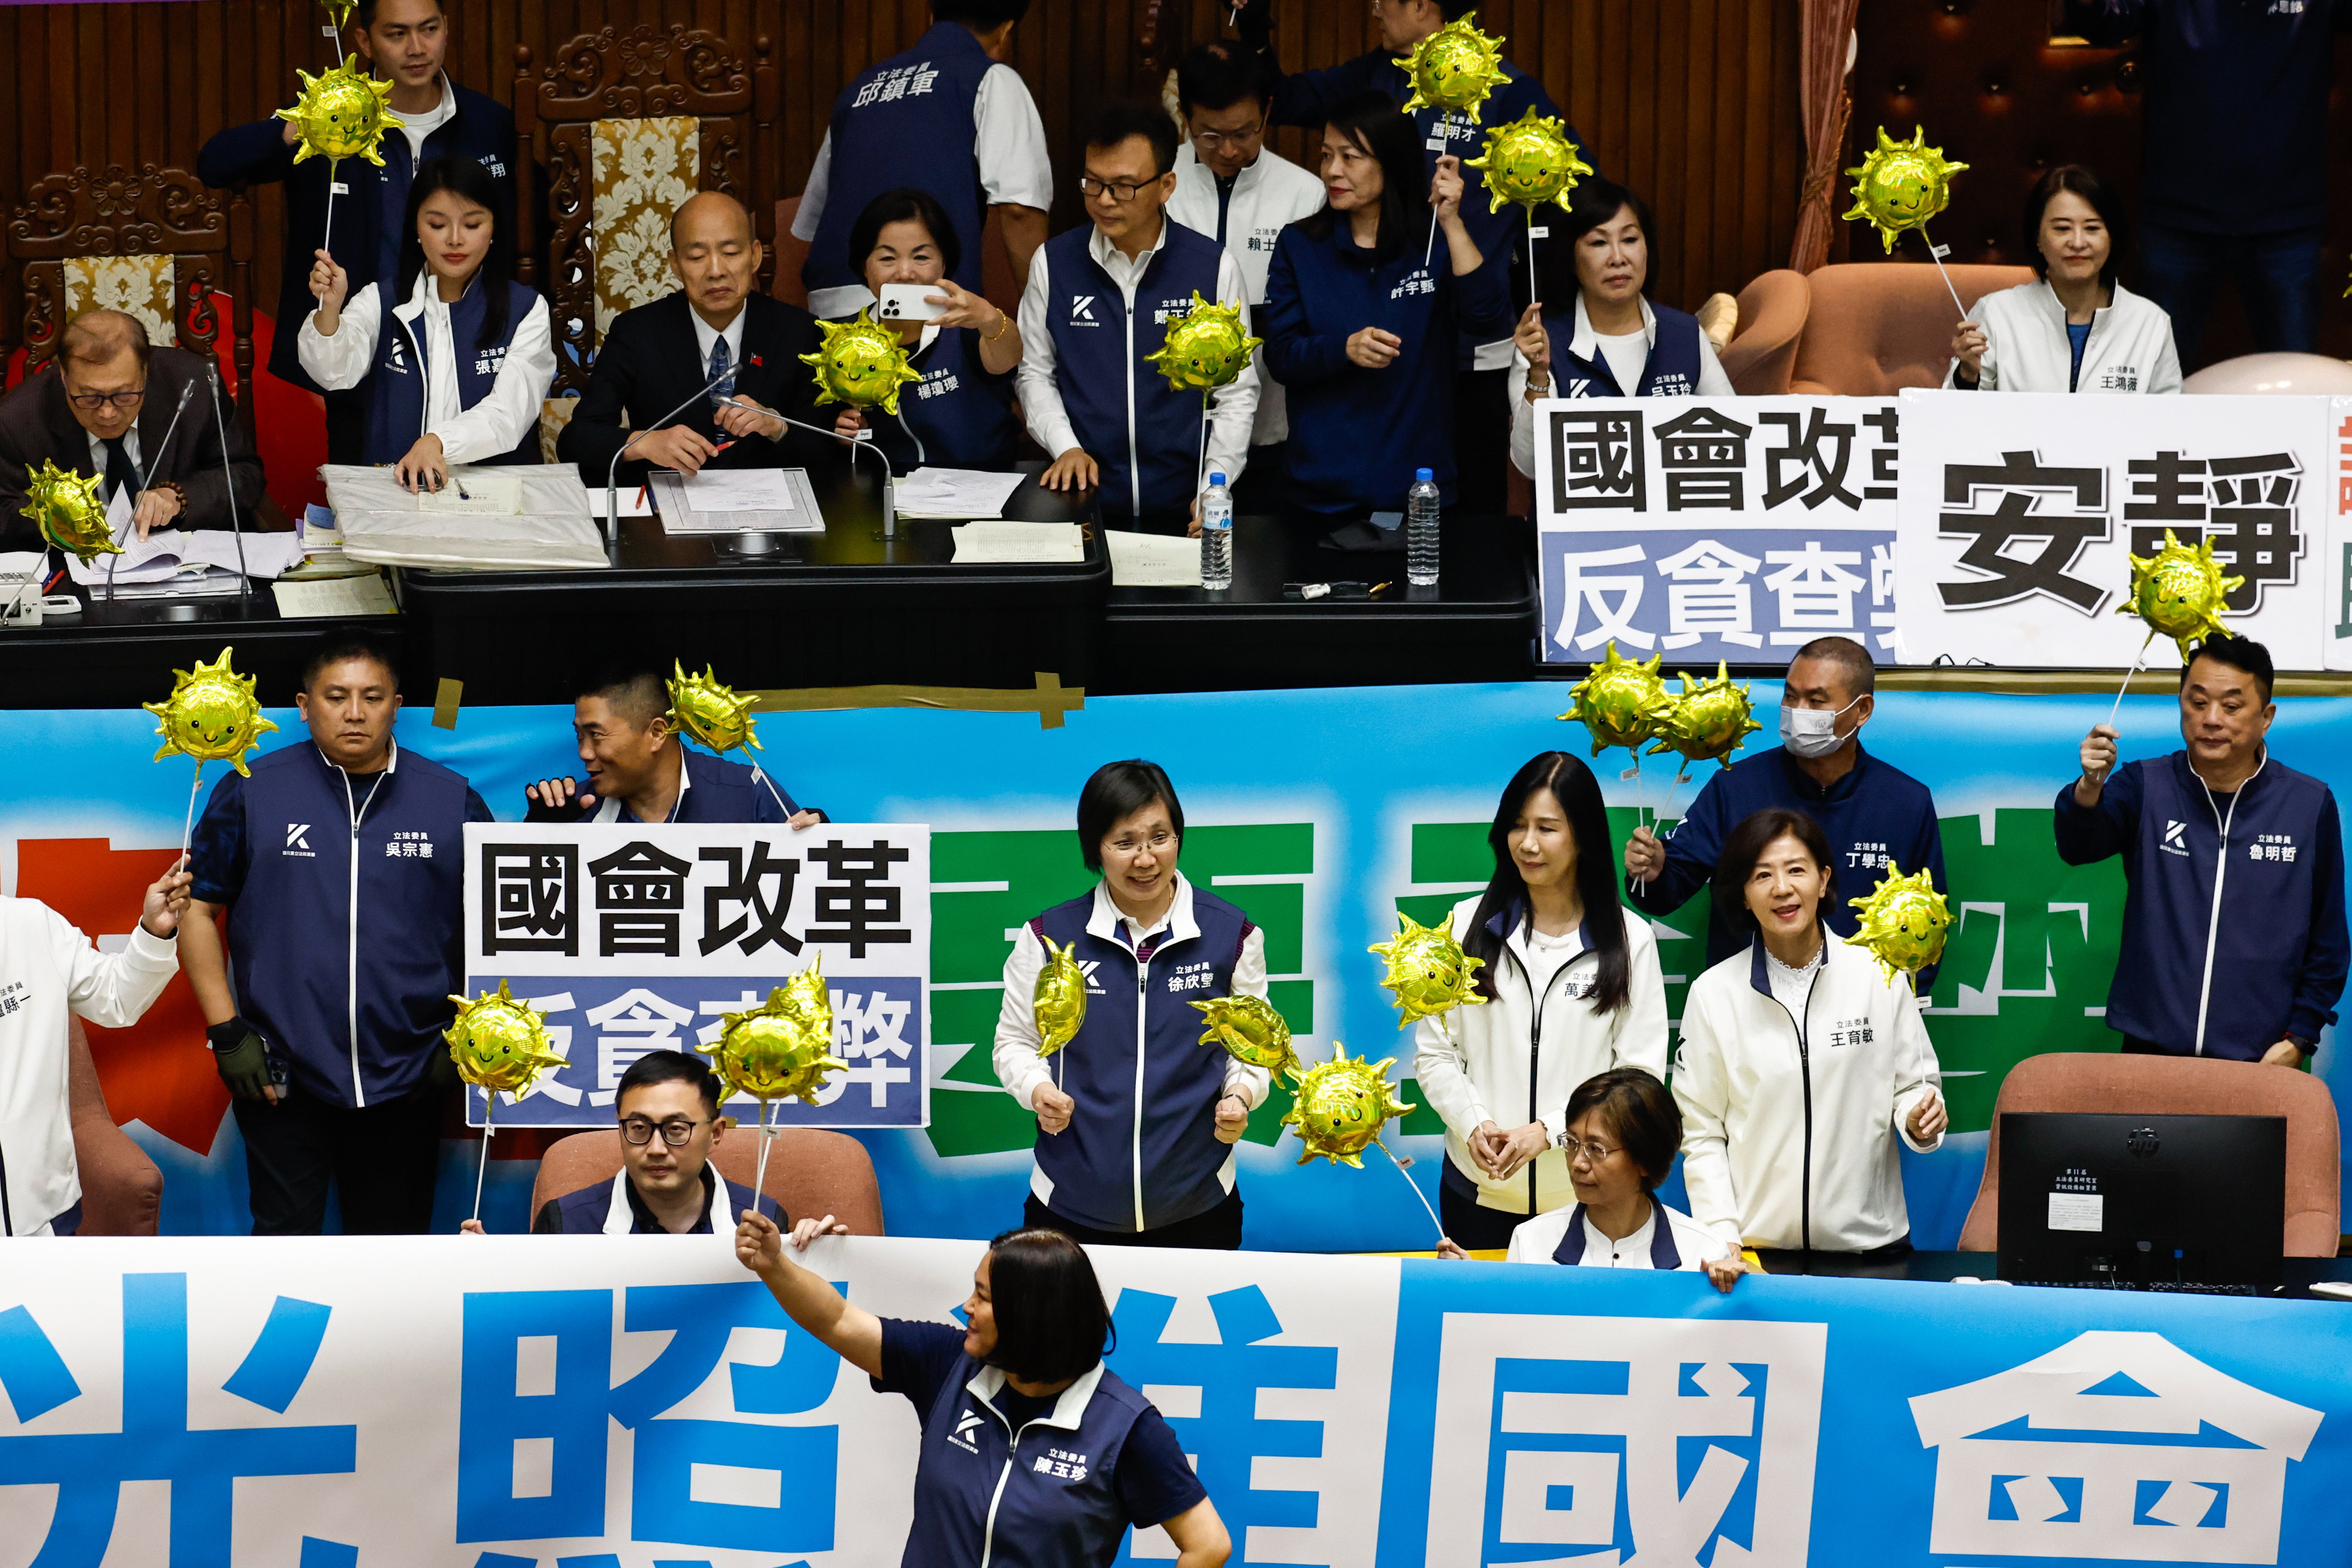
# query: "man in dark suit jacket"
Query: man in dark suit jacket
{"points": [[404, 40], [657, 356], [103, 410]]}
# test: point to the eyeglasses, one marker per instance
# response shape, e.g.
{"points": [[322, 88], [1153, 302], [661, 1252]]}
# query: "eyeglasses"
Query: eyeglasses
{"points": [[94, 401], [1595, 1151], [675, 1131], [1120, 191], [1210, 141], [1158, 844]]}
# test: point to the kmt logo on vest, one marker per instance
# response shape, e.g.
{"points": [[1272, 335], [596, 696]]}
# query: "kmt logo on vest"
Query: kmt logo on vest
{"points": [[966, 1423], [295, 844], [1082, 311], [2174, 844]]}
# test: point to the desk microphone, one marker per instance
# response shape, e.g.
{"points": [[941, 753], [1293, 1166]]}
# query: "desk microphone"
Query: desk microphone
{"points": [[861, 443], [154, 460], [612, 488], [235, 524]]}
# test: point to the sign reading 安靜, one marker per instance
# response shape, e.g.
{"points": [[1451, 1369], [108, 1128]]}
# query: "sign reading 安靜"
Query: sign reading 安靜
{"points": [[632, 939]]}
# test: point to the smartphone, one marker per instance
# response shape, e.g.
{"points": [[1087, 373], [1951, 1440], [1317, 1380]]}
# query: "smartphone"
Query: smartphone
{"points": [[905, 303]]}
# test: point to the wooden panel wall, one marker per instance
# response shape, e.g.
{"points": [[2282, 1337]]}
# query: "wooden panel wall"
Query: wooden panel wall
{"points": [[1692, 102]]}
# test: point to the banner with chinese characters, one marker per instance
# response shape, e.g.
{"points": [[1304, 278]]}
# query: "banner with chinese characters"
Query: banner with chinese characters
{"points": [[641, 1402], [2020, 512], [631, 940], [1714, 528]]}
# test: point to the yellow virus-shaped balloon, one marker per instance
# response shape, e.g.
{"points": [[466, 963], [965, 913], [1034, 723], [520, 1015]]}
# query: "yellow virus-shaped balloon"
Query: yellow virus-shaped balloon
{"points": [[1205, 350], [2179, 592], [708, 712], [1902, 185], [65, 507], [1427, 973], [342, 113], [499, 1044], [1710, 721], [1251, 1030], [1530, 162], [784, 1049], [1342, 1106], [860, 362], [1621, 703], [1902, 922], [1059, 997], [211, 715], [1455, 67]]}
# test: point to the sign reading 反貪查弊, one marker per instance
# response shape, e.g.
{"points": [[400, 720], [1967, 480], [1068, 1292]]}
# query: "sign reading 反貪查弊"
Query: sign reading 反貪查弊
{"points": [[632, 939]]}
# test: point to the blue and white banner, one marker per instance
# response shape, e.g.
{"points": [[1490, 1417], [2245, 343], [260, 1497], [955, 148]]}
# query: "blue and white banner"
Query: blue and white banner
{"points": [[607, 1401], [632, 940], [1712, 528]]}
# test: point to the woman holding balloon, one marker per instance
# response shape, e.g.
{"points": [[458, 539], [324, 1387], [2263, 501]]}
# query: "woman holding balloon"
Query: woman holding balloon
{"points": [[1572, 988], [1803, 1059], [1136, 1116]]}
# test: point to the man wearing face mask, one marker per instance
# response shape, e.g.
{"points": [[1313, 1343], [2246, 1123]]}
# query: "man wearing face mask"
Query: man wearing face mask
{"points": [[1877, 818]]}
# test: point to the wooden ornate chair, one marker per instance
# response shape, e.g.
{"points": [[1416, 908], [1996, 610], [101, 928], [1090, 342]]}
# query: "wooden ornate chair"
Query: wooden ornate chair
{"points": [[627, 125], [152, 242]]}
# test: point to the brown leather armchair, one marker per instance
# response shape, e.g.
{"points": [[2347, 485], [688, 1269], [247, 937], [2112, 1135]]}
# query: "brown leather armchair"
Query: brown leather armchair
{"points": [[1761, 356], [810, 1172], [122, 1188], [1876, 327]]}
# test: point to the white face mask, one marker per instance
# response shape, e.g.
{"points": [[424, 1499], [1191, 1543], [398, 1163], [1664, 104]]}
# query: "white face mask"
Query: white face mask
{"points": [[1811, 731]]}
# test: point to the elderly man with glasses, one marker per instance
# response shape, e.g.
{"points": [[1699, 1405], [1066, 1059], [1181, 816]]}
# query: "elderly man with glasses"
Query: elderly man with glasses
{"points": [[107, 408], [668, 1110]]}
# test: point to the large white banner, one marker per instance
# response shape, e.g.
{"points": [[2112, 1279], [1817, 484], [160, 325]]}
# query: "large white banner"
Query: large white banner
{"points": [[2019, 512], [1708, 528], [634, 939], [640, 1402]]}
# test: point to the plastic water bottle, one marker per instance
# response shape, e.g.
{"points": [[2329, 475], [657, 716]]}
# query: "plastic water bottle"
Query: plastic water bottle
{"points": [[1420, 531], [1216, 534]]}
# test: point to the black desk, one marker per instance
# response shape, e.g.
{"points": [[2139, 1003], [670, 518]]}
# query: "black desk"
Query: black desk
{"points": [[1934, 1265], [121, 653], [1477, 624], [845, 607]]}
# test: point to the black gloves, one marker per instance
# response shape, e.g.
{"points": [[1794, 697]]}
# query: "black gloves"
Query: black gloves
{"points": [[240, 1057]]}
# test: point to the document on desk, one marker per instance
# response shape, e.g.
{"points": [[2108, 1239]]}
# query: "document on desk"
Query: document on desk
{"points": [[363, 596], [480, 492], [739, 489], [954, 493], [737, 501], [1153, 560], [999, 543], [168, 554]]}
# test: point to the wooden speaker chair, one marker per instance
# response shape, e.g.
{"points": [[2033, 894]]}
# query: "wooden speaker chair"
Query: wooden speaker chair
{"points": [[151, 242], [627, 126]]}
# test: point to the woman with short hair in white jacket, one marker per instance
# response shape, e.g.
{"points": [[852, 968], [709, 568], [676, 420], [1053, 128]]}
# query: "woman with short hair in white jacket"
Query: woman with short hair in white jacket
{"points": [[1802, 1061], [1573, 989], [2077, 329]]}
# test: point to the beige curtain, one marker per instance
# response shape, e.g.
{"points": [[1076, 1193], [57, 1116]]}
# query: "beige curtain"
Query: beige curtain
{"points": [[1823, 53]]}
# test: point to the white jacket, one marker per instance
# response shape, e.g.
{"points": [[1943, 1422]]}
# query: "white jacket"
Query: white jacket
{"points": [[1268, 196], [2129, 350], [48, 967], [1789, 1125], [492, 428], [1502, 1062]]}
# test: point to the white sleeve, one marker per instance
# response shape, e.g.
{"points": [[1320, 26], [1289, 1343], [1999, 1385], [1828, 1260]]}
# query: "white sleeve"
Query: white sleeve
{"points": [[1009, 142], [1523, 1248], [1922, 1077], [1249, 980], [1987, 380], [1041, 395], [112, 990], [498, 423], [1019, 1068], [1639, 1039], [1712, 382], [810, 212], [2164, 376], [1523, 419], [1233, 409], [1442, 1070], [1704, 1099], [341, 362]]}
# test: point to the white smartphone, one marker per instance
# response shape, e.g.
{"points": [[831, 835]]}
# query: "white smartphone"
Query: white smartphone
{"points": [[905, 303]]}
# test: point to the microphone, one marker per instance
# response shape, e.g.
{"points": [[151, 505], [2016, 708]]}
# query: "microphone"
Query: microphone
{"points": [[235, 524], [862, 444], [613, 468], [154, 459]]}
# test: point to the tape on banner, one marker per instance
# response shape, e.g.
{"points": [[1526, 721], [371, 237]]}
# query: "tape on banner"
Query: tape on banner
{"points": [[1049, 700], [445, 700]]}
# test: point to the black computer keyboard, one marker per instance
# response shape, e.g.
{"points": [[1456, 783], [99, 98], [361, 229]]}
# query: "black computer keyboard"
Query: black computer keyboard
{"points": [[2172, 1288]]}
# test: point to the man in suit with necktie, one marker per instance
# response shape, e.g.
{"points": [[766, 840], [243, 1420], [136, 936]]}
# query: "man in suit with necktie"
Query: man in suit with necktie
{"points": [[103, 409], [716, 327]]}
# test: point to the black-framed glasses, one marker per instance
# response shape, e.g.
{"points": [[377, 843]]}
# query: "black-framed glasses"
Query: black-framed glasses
{"points": [[94, 401], [675, 1131], [1121, 191]]}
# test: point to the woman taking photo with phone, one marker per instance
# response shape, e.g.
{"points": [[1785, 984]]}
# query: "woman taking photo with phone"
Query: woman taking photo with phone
{"points": [[458, 372], [1801, 1062], [959, 416], [1573, 989]]}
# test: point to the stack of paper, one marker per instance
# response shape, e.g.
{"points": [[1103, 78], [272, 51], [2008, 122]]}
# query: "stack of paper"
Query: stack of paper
{"points": [[997, 543], [173, 561], [385, 525], [737, 501], [1153, 560], [954, 493]]}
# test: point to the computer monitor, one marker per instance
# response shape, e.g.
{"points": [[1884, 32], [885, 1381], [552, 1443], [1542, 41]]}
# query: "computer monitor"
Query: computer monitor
{"points": [[2142, 1200]]}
